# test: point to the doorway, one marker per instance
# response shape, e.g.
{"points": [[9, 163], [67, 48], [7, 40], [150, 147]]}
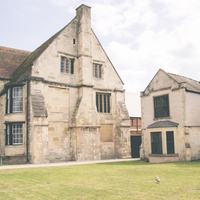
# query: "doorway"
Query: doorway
{"points": [[135, 146]]}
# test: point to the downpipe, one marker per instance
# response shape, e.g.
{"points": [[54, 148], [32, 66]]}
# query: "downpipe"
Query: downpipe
{"points": [[27, 114]]}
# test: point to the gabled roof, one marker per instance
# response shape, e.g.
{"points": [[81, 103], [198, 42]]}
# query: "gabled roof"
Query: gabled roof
{"points": [[24, 69], [10, 59], [161, 124], [182, 81], [191, 84]]}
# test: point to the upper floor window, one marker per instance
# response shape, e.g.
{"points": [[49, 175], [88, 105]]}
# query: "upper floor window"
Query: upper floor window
{"points": [[14, 135], [67, 65], [14, 100], [97, 70], [161, 106], [103, 102]]}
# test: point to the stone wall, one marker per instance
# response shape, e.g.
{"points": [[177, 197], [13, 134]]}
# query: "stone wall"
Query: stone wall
{"points": [[63, 122], [184, 110]]}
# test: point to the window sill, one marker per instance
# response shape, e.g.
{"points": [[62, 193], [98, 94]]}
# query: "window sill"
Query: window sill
{"points": [[100, 113], [160, 158], [164, 155], [96, 78], [14, 145], [14, 113]]}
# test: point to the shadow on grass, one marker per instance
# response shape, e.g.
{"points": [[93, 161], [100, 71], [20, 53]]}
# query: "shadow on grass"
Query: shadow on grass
{"points": [[141, 162], [134, 162]]}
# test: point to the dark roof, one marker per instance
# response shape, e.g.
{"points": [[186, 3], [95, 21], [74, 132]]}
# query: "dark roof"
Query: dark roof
{"points": [[191, 84], [163, 124], [10, 59]]}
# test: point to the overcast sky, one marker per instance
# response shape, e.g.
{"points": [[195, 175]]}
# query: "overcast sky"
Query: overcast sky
{"points": [[139, 36]]}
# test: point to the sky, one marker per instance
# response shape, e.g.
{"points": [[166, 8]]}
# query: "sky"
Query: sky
{"points": [[139, 36]]}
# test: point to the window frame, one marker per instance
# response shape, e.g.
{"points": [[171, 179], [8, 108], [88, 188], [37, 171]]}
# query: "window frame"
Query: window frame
{"points": [[14, 134], [156, 146], [67, 65], [161, 106], [14, 99], [98, 70], [170, 143], [103, 104]]}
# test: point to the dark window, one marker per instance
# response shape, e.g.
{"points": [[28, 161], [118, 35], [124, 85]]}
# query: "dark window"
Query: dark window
{"points": [[103, 102], [14, 100], [170, 142], [67, 65], [14, 135], [156, 143], [161, 106], [72, 66], [97, 70]]}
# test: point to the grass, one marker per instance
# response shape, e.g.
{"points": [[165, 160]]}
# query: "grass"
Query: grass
{"points": [[122, 180]]}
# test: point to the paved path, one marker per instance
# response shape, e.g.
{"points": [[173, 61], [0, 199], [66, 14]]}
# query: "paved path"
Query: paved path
{"points": [[64, 163]]}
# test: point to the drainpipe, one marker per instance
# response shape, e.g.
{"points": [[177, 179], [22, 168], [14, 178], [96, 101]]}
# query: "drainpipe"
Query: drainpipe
{"points": [[27, 105]]}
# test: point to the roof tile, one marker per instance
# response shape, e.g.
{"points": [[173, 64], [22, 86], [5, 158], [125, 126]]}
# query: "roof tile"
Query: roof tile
{"points": [[10, 59]]}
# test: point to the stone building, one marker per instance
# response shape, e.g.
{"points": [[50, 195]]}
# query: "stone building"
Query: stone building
{"points": [[170, 119], [64, 101]]}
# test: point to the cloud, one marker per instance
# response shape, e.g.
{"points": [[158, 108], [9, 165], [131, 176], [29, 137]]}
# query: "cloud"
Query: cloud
{"points": [[139, 36], [119, 19], [170, 46]]}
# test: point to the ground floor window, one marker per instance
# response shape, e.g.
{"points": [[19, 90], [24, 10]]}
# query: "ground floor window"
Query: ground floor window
{"points": [[14, 134], [170, 142], [156, 143]]}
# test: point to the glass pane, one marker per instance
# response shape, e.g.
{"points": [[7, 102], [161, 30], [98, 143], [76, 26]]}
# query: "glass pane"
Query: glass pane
{"points": [[17, 133], [156, 143], [170, 142], [17, 99], [95, 70], [72, 66], [161, 106], [99, 71], [101, 106], [62, 64], [105, 103], [97, 101], [108, 103], [67, 65]]}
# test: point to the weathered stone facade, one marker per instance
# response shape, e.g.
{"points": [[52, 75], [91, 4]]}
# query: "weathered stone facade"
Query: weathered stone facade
{"points": [[183, 119], [60, 118]]}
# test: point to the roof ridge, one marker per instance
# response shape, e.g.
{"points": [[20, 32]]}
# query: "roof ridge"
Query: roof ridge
{"points": [[183, 77], [14, 49], [18, 75]]}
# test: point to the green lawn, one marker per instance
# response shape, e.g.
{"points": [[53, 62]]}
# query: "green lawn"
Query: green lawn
{"points": [[122, 180]]}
